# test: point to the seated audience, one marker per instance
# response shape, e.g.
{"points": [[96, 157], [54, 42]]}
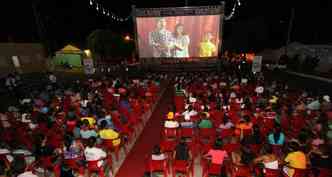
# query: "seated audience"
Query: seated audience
{"points": [[157, 154], [109, 134], [93, 153], [295, 159], [205, 122], [268, 159], [276, 137]]}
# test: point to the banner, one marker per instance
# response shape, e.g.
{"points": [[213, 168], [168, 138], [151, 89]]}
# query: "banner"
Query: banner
{"points": [[88, 66], [257, 64]]}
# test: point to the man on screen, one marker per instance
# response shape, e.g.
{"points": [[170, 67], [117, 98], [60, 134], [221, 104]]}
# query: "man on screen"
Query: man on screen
{"points": [[161, 39], [207, 48]]}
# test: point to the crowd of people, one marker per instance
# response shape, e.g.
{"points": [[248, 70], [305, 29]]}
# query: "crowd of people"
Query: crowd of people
{"points": [[233, 123], [245, 127], [67, 130]]}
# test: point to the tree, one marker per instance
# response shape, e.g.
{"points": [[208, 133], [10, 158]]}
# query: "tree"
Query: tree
{"points": [[105, 44]]}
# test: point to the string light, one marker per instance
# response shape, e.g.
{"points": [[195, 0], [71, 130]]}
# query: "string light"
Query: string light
{"points": [[101, 9], [104, 11], [236, 4]]}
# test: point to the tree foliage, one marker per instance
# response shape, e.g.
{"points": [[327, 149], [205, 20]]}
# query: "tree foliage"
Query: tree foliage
{"points": [[106, 44]]}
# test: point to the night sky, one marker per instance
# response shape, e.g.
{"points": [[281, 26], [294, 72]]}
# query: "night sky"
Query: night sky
{"points": [[257, 23]]}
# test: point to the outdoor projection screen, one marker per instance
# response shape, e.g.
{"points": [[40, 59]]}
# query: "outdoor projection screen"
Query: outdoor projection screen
{"points": [[179, 36]]}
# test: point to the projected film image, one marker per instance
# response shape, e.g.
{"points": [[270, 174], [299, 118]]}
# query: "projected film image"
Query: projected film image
{"points": [[178, 37]]}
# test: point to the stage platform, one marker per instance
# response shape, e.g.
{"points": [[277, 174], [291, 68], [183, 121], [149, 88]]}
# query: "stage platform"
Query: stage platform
{"points": [[168, 65]]}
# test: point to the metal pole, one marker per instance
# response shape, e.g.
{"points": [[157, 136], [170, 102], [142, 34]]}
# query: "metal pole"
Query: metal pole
{"points": [[290, 27]]}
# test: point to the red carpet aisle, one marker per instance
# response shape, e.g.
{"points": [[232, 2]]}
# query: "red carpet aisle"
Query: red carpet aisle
{"points": [[134, 165]]}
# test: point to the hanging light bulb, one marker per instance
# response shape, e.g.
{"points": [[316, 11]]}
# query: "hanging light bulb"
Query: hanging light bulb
{"points": [[91, 3], [239, 2], [97, 8]]}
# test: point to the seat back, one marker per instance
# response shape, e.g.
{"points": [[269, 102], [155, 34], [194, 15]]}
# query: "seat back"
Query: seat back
{"points": [[300, 173], [271, 172], [170, 132], [324, 172], [157, 165], [93, 166], [187, 132]]}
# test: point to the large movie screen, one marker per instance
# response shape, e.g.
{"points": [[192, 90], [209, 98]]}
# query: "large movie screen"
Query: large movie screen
{"points": [[178, 36]]}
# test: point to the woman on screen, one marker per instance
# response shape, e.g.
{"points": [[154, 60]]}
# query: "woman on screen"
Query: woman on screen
{"points": [[207, 48], [181, 42]]}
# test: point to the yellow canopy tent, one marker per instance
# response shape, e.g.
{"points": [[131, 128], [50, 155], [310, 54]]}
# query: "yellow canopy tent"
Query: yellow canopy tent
{"points": [[69, 55], [70, 49]]}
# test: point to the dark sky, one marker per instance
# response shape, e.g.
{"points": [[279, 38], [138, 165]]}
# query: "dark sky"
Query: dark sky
{"points": [[66, 21]]}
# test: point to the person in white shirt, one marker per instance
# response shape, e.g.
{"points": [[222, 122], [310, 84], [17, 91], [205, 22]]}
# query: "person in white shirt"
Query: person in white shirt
{"points": [[19, 168], [92, 153], [157, 154], [189, 112], [171, 124]]}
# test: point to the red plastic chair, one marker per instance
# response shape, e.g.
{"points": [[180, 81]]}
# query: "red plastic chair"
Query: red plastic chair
{"points": [[212, 169], [170, 133], [207, 133], [168, 146], [110, 147], [187, 133], [255, 148], [229, 148], [324, 172], [72, 163], [247, 132], [300, 173], [271, 173], [46, 164], [94, 168], [226, 133], [277, 149], [241, 171], [158, 165], [182, 166]]}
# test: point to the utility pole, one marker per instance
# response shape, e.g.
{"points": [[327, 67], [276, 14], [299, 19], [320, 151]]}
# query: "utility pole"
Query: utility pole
{"points": [[290, 27]]}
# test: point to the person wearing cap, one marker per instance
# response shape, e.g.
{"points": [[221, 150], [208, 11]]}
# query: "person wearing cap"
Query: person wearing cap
{"points": [[295, 159], [170, 122]]}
